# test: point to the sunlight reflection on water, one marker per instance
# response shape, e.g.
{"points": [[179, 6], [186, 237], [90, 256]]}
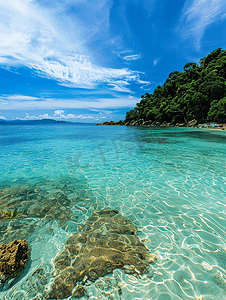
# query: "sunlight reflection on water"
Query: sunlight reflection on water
{"points": [[170, 182]]}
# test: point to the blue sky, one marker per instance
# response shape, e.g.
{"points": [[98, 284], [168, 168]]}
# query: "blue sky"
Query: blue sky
{"points": [[91, 60]]}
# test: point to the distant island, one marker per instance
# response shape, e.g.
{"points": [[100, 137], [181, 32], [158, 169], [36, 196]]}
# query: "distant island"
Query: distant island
{"points": [[196, 95], [34, 122]]}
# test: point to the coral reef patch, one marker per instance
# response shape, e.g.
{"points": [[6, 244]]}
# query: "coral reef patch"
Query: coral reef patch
{"points": [[105, 242], [23, 206], [13, 258]]}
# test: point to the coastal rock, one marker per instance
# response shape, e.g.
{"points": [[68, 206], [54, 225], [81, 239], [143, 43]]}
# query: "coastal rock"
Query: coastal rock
{"points": [[13, 258], [146, 123], [139, 122], [192, 123], [180, 124], [136, 122], [107, 241], [133, 123]]}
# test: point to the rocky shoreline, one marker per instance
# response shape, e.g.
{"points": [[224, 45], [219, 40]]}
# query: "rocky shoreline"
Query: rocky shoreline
{"points": [[192, 123]]}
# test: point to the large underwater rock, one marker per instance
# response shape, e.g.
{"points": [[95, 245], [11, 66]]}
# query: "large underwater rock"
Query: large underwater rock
{"points": [[106, 241], [13, 258]]}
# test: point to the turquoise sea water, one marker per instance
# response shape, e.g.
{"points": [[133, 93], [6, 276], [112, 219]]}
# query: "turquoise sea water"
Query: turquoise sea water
{"points": [[171, 182]]}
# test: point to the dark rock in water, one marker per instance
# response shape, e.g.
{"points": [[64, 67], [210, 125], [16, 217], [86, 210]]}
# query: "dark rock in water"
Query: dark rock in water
{"points": [[20, 202], [13, 258], [23, 206], [45, 200], [105, 242]]}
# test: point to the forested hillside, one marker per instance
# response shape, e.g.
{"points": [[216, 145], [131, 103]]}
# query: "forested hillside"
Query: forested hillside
{"points": [[199, 92]]}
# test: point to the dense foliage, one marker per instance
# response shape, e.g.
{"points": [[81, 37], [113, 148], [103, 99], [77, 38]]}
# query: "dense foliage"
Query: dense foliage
{"points": [[199, 92]]}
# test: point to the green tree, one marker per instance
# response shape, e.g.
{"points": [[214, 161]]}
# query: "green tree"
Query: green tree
{"points": [[217, 111], [195, 93]]}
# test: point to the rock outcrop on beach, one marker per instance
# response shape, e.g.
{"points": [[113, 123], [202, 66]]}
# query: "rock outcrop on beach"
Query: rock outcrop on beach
{"points": [[192, 123], [13, 258], [105, 242]]}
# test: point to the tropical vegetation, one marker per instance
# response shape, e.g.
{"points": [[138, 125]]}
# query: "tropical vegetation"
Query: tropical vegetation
{"points": [[198, 92]]}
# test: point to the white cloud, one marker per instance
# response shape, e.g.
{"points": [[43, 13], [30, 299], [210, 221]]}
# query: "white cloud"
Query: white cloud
{"points": [[2, 118], [120, 86], [97, 110], [21, 97], [60, 115], [197, 15], [144, 83], [52, 42], [155, 61], [61, 104], [132, 57], [27, 117]]}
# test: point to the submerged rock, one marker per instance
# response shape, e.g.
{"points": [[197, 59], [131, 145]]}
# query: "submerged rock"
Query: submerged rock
{"points": [[13, 258], [46, 201], [79, 291], [107, 241]]}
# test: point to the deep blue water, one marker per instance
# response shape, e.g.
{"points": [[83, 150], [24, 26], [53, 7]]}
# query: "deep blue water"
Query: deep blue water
{"points": [[171, 182]]}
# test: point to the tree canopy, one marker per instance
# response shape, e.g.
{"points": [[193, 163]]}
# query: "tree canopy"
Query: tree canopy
{"points": [[198, 92]]}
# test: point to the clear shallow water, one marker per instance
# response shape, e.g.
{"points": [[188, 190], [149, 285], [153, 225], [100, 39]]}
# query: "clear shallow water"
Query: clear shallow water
{"points": [[171, 182]]}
